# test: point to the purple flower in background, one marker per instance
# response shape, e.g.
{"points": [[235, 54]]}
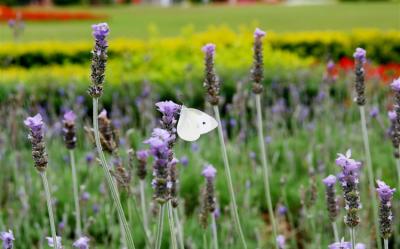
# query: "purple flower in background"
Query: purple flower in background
{"points": [[330, 65], [340, 245], [374, 112], [392, 115], [252, 155], [360, 54], [330, 196], [281, 242], [7, 238], [89, 157], [85, 196], [360, 246], [258, 33], [396, 85], [80, 100], [232, 122], [35, 125], [282, 210], [142, 155], [209, 49], [11, 23], [195, 147], [82, 243], [217, 213], [96, 208], [100, 32], [184, 161], [385, 194], [69, 117], [209, 172], [50, 241]]}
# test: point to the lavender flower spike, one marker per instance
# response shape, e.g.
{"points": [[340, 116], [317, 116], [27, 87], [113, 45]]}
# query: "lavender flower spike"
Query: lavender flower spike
{"points": [[141, 157], [211, 81], [82, 243], [36, 126], [360, 58], [340, 245], [385, 194], [395, 85], [349, 178], [281, 242], [258, 64], [99, 59], [208, 204], [7, 238], [50, 242], [69, 130], [331, 200]]}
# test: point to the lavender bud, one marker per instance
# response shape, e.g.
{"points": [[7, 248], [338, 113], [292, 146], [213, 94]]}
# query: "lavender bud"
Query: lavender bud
{"points": [[281, 242], [349, 178], [50, 242], [7, 238], [385, 194], [331, 200], [69, 130], [360, 59], [108, 136], [99, 59], [257, 71], [160, 150], [208, 204], [35, 125], [395, 117], [340, 245], [141, 157], [211, 81], [82, 243]]}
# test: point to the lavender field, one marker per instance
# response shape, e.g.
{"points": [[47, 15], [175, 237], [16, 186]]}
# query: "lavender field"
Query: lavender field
{"points": [[215, 138]]}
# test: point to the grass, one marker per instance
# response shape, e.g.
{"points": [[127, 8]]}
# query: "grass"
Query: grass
{"points": [[143, 21]]}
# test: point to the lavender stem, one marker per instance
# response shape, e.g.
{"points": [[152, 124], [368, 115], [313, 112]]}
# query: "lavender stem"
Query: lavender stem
{"points": [[110, 182], [352, 238], [172, 226], [265, 165], [49, 207], [398, 171], [214, 231], [179, 228], [370, 174], [76, 194], [386, 242], [143, 205], [229, 178], [160, 226], [335, 231]]}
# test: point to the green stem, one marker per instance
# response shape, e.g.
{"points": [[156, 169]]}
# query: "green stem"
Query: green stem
{"points": [[49, 208], [179, 228], [265, 166], [370, 174], [78, 231], [352, 238], [229, 178], [110, 182], [398, 171], [335, 231], [172, 226], [160, 226], [143, 206], [386, 242], [214, 231]]}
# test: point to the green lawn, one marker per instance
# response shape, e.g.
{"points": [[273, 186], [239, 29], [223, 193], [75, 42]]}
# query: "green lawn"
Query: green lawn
{"points": [[137, 21]]}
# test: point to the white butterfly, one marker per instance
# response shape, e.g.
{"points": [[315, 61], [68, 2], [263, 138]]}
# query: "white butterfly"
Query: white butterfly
{"points": [[192, 123]]}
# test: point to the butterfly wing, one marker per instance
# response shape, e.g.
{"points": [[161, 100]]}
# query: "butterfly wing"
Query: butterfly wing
{"points": [[192, 123], [186, 127]]}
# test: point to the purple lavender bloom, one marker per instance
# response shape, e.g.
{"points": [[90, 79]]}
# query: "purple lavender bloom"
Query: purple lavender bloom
{"points": [[168, 108], [96, 208], [100, 32], [195, 147], [282, 210], [7, 238], [340, 245], [85, 196], [268, 139], [61, 226], [11, 23], [360, 54], [142, 155], [360, 246], [385, 193], [330, 65], [35, 123], [281, 242], [329, 181], [69, 117], [184, 161], [392, 115], [82, 243], [89, 158], [209, 172], [396, 85], [217, 213], [258, 33], [209, 49], [232, 122], [374, 112], [50, 241], [80, 100]]}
